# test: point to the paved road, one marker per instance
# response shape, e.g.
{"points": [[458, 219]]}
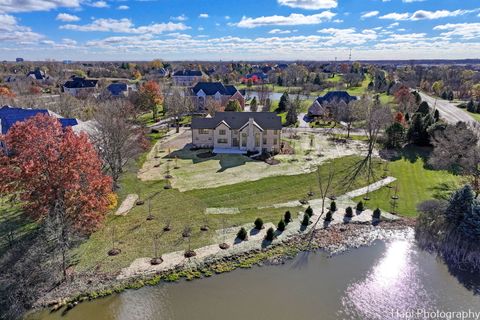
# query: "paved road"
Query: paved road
{"points": [[448, 111], [301, 121]]}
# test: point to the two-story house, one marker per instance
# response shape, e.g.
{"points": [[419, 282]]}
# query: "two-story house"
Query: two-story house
{"points": [[216, 91], [80, 87], [187, 77], [321, 106], [238, 132]]}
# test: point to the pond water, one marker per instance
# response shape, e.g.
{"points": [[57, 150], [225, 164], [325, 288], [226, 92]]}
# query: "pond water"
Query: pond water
{"points": [[377, 282]]}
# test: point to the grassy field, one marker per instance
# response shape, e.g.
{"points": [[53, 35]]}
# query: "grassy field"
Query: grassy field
{"points": [[475, 116], [416, 183], [135, 234]]}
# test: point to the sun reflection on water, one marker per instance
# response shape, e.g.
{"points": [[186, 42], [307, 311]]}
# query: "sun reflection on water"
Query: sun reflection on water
{"points": [[393, 284]]}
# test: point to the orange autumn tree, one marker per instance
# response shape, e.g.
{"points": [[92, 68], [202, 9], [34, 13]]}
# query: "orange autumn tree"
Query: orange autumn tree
{"points": [[6, 92], [48, 166], [150, 97]]}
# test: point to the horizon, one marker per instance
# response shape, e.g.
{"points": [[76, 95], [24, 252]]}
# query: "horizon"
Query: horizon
{"points": [[289, 30]]}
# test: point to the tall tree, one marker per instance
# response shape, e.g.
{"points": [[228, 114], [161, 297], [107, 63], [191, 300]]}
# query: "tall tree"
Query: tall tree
{"points": [[284, 102], [233, 105], [150, 98], [117, 137], [57, 176], [178, 103]]}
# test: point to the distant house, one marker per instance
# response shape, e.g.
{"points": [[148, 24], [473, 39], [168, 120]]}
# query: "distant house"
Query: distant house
{"points": [[120, 89], [19, 60], [217, 92], [321, 108], [38, 75], [187, 77], [238, 132], [256, 77], [163, 73], [11, 115], [80, 87]]}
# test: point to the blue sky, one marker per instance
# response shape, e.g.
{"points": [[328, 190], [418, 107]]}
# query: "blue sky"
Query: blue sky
{"points": [[239, 29]]}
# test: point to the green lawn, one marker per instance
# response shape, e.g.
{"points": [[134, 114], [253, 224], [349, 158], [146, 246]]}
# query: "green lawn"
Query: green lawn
{"points": [[415, 182], [135, 234], [476, 116]]}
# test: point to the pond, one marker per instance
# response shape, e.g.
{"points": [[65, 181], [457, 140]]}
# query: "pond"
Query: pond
{"points": [[381, 282]]}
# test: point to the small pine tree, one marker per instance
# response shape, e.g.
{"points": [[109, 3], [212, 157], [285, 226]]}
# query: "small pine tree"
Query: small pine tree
{"points": [[258, 224], [270, 234], [329, 216], [333, 206], [360, 206], [377, 214], [306, 220], [242, 234], [281, 225], [288, 217], [349, 212], [309, 211]]}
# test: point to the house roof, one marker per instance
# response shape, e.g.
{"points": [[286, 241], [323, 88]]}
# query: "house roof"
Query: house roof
{"points": [[336, 96], [11, 115], [37, 74], [259, 75], [188, 73], [211, 88], [236, 120], [117, 88], [77, 83]]}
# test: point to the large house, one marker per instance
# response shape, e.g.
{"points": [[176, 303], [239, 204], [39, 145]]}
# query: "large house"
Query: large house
{"points": [[238, 132], [256, 77], [119, 89], [11, 115], [187, 77], [80, 87], [38, 75], [321, 106], [203, 91]]}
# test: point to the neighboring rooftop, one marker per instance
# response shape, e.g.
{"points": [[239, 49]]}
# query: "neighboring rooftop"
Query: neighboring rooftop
{"points": [[236, 120], [11, 115], [211, 88], [78, 82], [188, 73], [336, 96], [116, 89]]}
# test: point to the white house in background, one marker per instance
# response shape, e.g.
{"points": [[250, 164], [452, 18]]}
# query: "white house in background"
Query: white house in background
{"points": [[238, 132]]}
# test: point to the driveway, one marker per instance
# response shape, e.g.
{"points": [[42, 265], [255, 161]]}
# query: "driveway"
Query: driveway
{"points": [[448, 111]]}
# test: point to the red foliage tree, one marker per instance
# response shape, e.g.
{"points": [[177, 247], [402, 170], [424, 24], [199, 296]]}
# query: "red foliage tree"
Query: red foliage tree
{"points": [[400, 118], [6, 92], [52, 168], [405, 100]]}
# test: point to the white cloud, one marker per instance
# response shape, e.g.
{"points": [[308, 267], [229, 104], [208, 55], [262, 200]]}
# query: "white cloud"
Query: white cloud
{"points": [[36, 5], [410, 37], [201, 28], [203, 15], [426, 15], [279, 31], [309, 4], [123, 7], [349, 35], [181, 17], [464, 30], [99, 4], [227, 17], [370, 14], [10, 30], [291, 20], [67, 17], [68, 41], [125, 26]]}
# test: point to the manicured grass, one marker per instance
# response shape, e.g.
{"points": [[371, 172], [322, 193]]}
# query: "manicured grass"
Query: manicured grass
{"points": [[476, 116], [416, 183], [135, 234]]}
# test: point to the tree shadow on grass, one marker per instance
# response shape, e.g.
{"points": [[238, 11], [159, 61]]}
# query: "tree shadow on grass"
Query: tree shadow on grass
{"points": [[469, 279], [442, 191], [410, 152]]}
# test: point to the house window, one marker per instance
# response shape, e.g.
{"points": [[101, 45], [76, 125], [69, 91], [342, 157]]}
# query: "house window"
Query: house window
{"points": [[222, 132], [264, 140], [275, 131], [275, 141], [203, 131], [257, 139], [222, 140], [244, 139]]}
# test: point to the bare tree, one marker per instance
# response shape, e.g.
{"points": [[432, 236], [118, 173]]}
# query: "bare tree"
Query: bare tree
{"points": [[178, 102], [344, 112], [456, 148], [375, 117], [117, 137]]}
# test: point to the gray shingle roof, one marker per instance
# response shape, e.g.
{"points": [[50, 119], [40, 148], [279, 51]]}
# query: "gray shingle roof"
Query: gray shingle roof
{"points": [[266, 120], [80, 83], [188, 73], [211, 88]]}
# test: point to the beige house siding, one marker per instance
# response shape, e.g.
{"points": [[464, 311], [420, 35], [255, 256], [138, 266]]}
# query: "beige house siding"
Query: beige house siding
{"points": [[222, 140], [202, 137]]}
